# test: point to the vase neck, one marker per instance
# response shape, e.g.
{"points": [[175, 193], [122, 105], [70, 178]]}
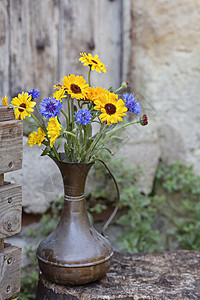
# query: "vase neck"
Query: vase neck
{"points": [[74, 208], [74, 177]]}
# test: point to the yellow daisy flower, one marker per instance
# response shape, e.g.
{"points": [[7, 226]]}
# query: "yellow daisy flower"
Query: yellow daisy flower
{"points": [[59, 94], [57, 86], [93, 62], [53, 130], [36, 138], [23, 100], [4, 100], [95, 92], [112, 109], [75, 86]]}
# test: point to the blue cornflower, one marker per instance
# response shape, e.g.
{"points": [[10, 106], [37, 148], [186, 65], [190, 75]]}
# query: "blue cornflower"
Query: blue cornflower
{"points": [[34, 93], [83, 116], [50, 107], [132, 104]]}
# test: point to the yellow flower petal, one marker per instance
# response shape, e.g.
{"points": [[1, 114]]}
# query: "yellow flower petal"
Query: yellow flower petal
{"points": [[4, 100], [53, 130], [59, 94], [76, 86], [93, 62], [24, 101], [36, 138], [112, 110]]}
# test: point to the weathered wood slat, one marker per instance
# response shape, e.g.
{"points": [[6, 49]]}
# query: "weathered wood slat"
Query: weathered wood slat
{"points": [[11, 141], [6, 113], [78, 36], [4, 48], [1, 183], [108, 41], [1, 179], [1, 244], [10, 209], [31, 29], [10, 271], [126, 40], [91, 26], [150, 276]]}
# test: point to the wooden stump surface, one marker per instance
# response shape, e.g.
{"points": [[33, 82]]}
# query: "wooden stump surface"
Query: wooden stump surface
{"points": [[152, 276]]}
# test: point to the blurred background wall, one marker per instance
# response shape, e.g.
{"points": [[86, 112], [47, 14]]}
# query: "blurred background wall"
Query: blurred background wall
{"points": [[153, 44], [41, 41]]}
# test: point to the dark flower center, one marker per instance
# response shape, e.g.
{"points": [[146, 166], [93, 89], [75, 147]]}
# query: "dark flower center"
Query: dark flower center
{"points": [[22, 105], [110, 108], [75, 88], [94, 61]]}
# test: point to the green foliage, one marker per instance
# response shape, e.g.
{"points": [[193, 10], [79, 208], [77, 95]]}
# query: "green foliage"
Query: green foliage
{"points": [[28, 285], [138, 212], [183, 199], [166, 220], [140, 234], [178, 178]]}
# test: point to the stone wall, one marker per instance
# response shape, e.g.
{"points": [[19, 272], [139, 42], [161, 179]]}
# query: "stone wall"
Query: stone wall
{"points": [[166, 75]]}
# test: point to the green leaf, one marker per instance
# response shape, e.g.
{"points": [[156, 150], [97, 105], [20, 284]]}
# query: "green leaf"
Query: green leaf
{"points": [[46, 151], [66, 148]]}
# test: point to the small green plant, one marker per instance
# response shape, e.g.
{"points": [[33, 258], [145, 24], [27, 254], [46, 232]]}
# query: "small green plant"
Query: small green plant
{"points": [[183, 200], [29, 285], [137, 212], [167, 219]]}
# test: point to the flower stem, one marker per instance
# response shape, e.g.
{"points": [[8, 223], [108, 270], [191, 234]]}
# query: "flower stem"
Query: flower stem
{"points": [[70, 133], [32, 115], [89, 73], [67, 121], [94, 143], [119, 89], [53, 148], [68, 104], [72, 113], [111, 133]]}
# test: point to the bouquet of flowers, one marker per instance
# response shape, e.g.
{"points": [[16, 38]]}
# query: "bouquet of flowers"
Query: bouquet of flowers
{"points": [[85, 106]]}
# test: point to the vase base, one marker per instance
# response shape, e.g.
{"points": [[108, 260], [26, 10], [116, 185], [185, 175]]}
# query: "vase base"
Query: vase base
{"points": [[74, 275]]}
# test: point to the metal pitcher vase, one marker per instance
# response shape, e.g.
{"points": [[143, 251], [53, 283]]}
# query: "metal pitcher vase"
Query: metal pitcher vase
{"points": [[74, 253]]}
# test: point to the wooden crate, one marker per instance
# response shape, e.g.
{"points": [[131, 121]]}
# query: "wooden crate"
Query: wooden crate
{"points": [[11, 147]]}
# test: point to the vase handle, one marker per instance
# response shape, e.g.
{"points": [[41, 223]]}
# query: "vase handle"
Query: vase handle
{"points": [[117, 202]]}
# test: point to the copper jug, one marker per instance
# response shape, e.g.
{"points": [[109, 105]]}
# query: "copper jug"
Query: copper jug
{"points": [[74, 253]]}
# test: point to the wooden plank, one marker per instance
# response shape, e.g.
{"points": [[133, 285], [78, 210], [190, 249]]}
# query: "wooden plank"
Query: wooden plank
{"points": [[1, 179], [91, 26], [108, 41], [1, 184], [10, 210], [34, 45], [1, 244], [126, 40], [11, 145], [4, 48], [10, 271], [6, 113], [78, 36]]}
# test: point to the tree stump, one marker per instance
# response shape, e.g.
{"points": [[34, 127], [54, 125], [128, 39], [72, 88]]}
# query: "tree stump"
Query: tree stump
{"points": [[144, 276]]}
